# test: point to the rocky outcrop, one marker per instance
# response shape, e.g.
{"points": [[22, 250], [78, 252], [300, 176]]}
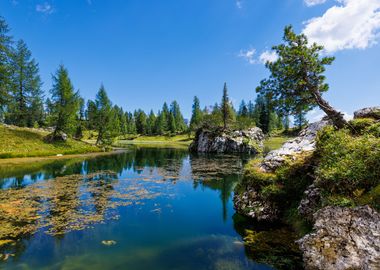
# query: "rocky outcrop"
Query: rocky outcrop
{"points": [[304, 142], [220, 141], [56, 137], [370, 112], [344, 238], [310, 202], [250, 204]]}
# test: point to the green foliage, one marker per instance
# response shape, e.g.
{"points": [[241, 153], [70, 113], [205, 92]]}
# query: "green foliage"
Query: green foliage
{"points": [[197, 115], [104, 118], [347, 162], [360, 126], [297, 80], [65, 102], [26, 103], [226, 109], [5, 70]]}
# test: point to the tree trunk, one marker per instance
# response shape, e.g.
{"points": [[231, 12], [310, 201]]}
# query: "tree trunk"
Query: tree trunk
{"points": [[335, 116]]}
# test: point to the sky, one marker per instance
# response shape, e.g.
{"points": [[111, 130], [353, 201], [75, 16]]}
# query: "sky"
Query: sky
{"points": [[146, 52]]}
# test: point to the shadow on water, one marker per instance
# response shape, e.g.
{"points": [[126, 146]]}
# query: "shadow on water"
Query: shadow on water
{"points": [[166, 208]]}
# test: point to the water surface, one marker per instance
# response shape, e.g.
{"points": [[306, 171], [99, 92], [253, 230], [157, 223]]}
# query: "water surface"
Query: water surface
{"points": [[142, 209]]}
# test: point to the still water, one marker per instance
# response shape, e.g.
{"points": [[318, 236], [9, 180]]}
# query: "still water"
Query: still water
{"points": [[140, 209]]}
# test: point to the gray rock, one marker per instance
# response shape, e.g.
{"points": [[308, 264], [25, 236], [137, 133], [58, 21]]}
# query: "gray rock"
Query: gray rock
{"points": [[305, 142], [343, 238], [250, 204], [310, 202], [220, 141], [370, 112]]}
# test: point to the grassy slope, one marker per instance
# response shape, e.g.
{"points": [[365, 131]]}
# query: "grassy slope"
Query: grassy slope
{"points": [[183, 140], [24, 142]]}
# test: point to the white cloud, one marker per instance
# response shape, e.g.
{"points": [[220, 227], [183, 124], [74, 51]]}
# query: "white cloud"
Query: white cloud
{"points": [[350, 24], [248, 55], [311, 3], [268, 56], [239, 4], [45, 8]]}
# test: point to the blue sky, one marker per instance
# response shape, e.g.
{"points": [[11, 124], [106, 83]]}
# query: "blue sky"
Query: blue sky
{"points": [[148, 51]]}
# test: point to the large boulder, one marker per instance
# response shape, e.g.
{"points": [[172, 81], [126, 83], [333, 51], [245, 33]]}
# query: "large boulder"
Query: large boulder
{"points": [[56, 137], [221, 141], [343, 238], [304, 142], [370, 112]]}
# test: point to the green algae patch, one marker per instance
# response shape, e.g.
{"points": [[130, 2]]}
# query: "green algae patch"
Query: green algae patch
{"points": [[65, 204], [276, 247]]}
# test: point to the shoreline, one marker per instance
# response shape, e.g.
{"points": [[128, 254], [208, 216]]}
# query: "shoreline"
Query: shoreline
{"points": [[20, 160]]}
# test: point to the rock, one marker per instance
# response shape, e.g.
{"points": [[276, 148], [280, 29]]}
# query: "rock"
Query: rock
{"points": [[310, 202], [305, 142], [344, 238], [370, 112], [220, 141], [56, 137], [250, 204]]}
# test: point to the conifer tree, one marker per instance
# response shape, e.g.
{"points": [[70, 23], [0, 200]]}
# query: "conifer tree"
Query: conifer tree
{"points": [[150, 123], [65, 103], [226, 109], [26, 104], [140, 118], [179, 122], [197, 115], [5, 70], [103, 117]]}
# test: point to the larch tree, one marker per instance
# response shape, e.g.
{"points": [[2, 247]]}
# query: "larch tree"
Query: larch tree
{"points": [[65, 103], [297, 79], [26, 105], [5, 70]]}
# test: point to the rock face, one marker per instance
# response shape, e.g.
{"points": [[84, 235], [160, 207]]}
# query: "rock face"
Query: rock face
{"points": [[242, 141], [310, 202], [305, 142], [250, 204], [344, 238], [371, 112], [58, 137]]}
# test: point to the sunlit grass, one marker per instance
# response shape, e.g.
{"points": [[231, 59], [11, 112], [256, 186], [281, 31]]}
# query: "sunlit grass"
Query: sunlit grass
{"points": [[24, 142]]}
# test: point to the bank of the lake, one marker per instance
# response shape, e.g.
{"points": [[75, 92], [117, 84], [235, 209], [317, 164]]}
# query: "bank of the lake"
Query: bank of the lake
{"points": [[28, 142]]}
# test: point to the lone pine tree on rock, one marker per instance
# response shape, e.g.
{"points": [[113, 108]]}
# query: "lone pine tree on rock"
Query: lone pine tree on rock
{"points": [[297, 82]]}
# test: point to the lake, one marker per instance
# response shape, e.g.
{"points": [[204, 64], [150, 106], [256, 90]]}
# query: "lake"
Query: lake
{"points": [[145, 208]]}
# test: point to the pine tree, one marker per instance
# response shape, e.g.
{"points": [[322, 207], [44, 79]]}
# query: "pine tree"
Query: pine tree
{"points": [[179, 122], [150, 123], [80, 120], [103, 117], [140, 118], [226, 109], [165, 117], [197, 115], [243, 109], [26, 105], [300, 120], [5, 70], [65, 103], [91, 115]]}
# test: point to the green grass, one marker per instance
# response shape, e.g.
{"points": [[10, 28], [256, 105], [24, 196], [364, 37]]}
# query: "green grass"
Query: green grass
{"points": [[183, 139], [24, 142], [275, 142]]}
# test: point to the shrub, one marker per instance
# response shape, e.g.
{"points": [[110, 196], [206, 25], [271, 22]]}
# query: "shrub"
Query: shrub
{"points": [[360, 125], [346, 162]]}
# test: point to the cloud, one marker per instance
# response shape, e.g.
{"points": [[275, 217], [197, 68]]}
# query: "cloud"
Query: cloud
{"points": [[239, 4], [350, 24], [268, 56], [45, 8], [311, 3], [248, 55]]}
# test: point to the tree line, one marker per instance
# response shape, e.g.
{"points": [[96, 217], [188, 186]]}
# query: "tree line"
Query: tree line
{"points": [[294, 87]]}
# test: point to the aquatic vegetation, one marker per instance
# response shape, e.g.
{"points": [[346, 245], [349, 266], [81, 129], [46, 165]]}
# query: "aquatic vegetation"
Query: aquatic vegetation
{"points": [[67, 203]]}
